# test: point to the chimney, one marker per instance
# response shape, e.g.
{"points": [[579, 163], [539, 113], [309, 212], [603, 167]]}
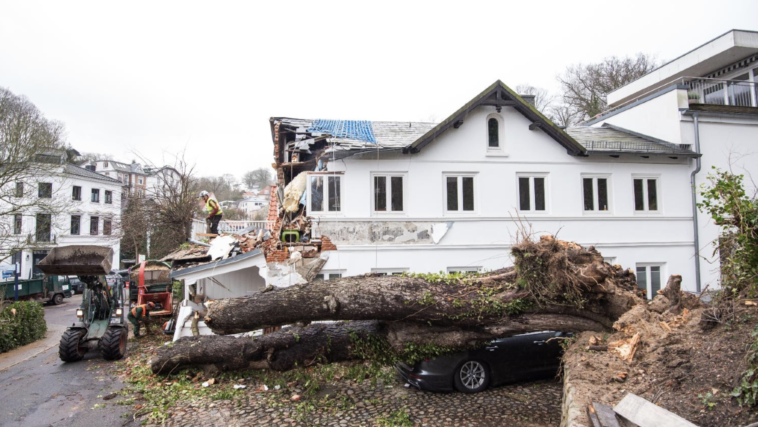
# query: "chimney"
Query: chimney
{"points": [[529, 99]]}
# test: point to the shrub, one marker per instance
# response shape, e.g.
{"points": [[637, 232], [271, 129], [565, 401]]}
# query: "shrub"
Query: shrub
{"points": [[25, 326]]}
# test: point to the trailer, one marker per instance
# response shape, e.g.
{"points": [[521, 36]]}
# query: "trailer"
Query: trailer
{"points": [[50, 288], [152, 281]]}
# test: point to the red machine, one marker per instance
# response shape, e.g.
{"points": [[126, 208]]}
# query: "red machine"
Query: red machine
{"points": [[154, 284]]}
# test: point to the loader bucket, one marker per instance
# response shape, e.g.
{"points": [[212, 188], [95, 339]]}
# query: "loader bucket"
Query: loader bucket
{"points": [[77, 260]]}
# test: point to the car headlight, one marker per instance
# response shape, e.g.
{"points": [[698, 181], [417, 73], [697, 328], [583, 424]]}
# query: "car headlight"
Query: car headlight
{"points": [[79, 313], [119, 312]]}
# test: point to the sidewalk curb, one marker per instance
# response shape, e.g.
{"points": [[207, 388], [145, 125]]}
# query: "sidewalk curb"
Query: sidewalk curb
{"points": [[51, 340]]}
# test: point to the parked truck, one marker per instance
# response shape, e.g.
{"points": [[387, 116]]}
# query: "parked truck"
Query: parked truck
{"points": [[50, 288]]}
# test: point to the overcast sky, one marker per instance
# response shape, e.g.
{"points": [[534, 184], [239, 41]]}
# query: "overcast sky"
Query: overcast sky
{"points": [[160, 77]]}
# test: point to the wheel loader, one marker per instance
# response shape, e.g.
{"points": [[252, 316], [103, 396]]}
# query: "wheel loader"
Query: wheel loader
{"points": [[101, 317]]}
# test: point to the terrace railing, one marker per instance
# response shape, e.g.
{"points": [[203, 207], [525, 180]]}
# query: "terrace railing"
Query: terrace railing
{"points": [[741, 93], [228, 226]]}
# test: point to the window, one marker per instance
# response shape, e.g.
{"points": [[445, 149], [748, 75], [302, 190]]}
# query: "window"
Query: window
{"points": [[45, 190], [649, 278], [463, 269], [19, 189], [105, 164], [610, 260], [327, 275], [108, 197], [139, 180], [76, 222], [44, 223], [76, 193], [388, 193], [17, 223], [139, 193], [646, 194], [493, 131], [106, 227], [389, 271], [531, 190], [595, 194], [93, 225], [459, 193], [325, 193], [95, 196]]}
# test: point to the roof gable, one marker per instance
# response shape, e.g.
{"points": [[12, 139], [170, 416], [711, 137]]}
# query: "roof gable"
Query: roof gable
{"points": [[499, 95]]}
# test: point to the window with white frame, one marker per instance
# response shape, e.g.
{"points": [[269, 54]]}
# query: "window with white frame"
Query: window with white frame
{"points": [[649, 278], [459, 192], [532, 192], [646, 194], [389, 271], [324, 193], [463, 269], [610, 260], [595, 191], [388, 192], [327, 275]]}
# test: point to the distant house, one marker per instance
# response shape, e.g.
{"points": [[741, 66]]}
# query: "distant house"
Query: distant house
{"points": [[252, 204]]}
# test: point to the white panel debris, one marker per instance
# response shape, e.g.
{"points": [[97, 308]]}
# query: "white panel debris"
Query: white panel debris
{"points": [[439, 230]]}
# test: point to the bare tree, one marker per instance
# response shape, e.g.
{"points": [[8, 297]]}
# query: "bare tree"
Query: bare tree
{"points": [[219, 187], [32, 158], [165, 213], [543, 100], [259, 178], [562, 115], [585, 86]]}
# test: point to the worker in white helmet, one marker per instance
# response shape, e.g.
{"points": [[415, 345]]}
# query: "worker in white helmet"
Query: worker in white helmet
{"points": [[213, 208]]}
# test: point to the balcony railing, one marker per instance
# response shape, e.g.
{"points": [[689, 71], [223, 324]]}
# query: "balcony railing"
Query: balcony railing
{"points": [[225, 226], [740, 93]]}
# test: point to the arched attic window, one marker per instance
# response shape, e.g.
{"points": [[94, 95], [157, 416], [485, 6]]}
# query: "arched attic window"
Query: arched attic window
{"points": [[493, 132]]}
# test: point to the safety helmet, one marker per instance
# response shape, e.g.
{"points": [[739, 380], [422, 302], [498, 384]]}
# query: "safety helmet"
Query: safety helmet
{"points": [[203, 194], [151, 304]]}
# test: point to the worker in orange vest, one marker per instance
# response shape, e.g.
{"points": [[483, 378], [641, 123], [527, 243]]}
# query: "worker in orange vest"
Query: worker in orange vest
{"points": [[137, 313]]}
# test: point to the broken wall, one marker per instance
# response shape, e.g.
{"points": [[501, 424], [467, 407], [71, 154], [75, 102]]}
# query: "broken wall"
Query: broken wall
{"points": [[382, 232]]}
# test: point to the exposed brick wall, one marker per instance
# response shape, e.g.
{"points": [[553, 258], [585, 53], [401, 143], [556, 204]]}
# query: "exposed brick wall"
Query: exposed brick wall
{"points": [[277, 256], [327, 245]]}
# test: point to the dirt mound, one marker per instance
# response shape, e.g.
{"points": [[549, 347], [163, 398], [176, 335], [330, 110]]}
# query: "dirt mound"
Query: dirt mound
{"points": [[667, 352]]}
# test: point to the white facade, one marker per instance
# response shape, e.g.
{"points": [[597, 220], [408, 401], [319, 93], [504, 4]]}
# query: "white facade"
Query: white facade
{"points": [[85, 210], [427, 237], [725, 134]]}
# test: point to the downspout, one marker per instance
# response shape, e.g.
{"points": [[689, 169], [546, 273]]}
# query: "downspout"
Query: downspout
{"points": [[696, 229]]}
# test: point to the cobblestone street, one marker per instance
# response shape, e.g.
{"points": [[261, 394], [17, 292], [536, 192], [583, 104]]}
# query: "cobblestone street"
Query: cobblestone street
{"points": [[349, 404]]}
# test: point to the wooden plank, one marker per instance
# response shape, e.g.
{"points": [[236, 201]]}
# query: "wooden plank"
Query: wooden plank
{"points": [[593, 417], [605, 415], [646, 414]]}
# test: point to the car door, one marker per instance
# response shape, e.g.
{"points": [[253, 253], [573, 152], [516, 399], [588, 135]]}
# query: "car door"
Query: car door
{"points": [[506, 357]]}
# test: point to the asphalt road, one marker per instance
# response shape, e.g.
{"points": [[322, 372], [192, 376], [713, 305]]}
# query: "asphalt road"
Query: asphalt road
{"points": [[43, 391]]}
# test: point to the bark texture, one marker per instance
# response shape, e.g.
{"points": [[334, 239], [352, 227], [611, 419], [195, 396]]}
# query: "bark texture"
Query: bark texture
{"points": [[555, 285]]}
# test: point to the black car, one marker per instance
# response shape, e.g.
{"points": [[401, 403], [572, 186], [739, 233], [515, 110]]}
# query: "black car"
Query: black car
{"points": [[522, 357]]}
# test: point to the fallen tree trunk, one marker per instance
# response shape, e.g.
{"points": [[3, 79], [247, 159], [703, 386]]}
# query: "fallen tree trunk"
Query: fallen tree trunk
{"points": [[554, 285]]}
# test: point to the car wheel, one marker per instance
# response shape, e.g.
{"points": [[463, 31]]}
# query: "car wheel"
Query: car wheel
{"points": [[57, 299], [472, 376]]}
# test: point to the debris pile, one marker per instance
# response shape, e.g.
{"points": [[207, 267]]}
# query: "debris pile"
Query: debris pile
{"points": [[666, 352]]}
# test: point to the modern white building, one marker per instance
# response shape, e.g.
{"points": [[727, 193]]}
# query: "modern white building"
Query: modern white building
{"points": [[252, 204], [706, 99], [420, 197], [84, 208]]}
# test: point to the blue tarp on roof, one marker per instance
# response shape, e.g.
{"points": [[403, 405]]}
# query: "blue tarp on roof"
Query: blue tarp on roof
{"points": [[361, 130]]}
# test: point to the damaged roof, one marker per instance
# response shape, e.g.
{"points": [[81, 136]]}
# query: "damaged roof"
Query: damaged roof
{"points": [[363, 135], [349, 136], [610, 139]]}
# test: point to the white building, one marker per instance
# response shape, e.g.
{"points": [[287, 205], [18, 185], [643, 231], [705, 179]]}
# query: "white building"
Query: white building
{"points": [[706, 99], [252, 204], [421, 197], [84, 209]]}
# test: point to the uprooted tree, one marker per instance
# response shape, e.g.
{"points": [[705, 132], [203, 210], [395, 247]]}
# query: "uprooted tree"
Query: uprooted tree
{"points": [[554, 285]]}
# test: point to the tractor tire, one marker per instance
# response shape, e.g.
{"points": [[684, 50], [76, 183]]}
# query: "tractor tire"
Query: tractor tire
{"points": [[113, 343], [57, 299], [71, 349]]}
